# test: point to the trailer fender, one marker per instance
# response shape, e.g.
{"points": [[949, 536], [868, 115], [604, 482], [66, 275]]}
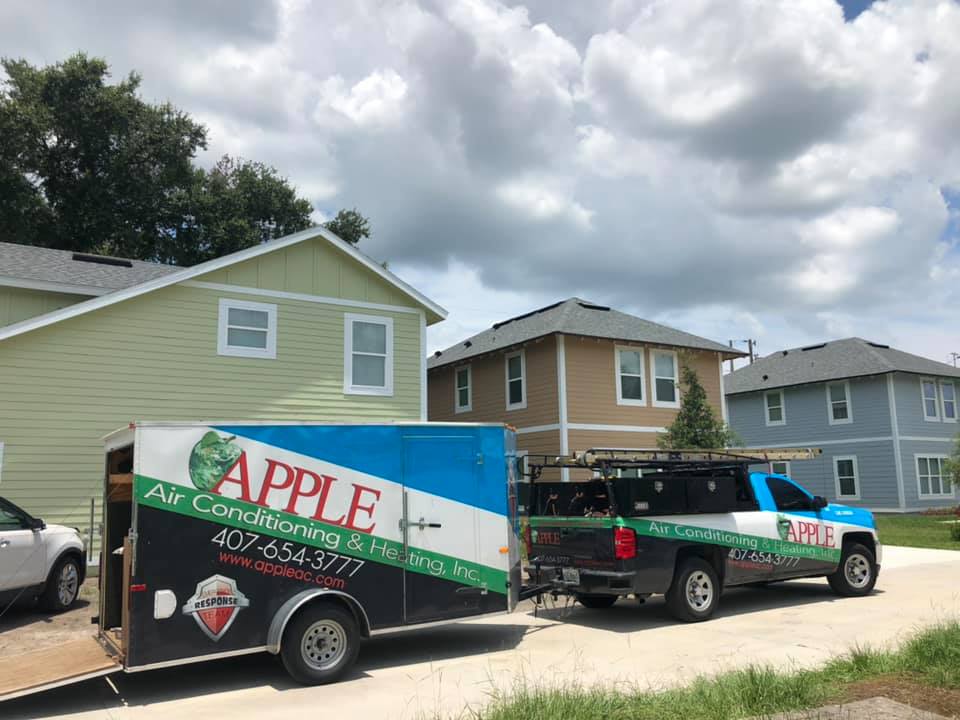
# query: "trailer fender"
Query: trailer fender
{"points": [[290, 607]]}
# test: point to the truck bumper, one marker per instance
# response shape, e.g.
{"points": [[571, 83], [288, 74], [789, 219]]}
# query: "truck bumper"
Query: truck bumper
{"points": [[589, 582]]}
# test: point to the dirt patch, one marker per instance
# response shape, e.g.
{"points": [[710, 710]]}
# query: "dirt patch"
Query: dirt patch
{"points": [[942, 701], [24, 627]]}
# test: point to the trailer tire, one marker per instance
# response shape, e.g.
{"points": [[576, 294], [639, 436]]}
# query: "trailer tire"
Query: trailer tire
{"points": [[597, 602], [857, 572], [695, 592], [320, 644], [63, 585]]}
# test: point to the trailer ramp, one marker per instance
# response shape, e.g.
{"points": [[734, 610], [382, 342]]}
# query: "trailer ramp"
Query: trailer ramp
{"points": [[62, 664]]}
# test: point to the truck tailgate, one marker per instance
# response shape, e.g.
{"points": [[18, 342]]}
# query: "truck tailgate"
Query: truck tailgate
{"points": [[558, 541]]}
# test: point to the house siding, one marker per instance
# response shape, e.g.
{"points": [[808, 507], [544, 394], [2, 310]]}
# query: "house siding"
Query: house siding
{"points": [[18, 304], [906, 388], [154, 357], [909, 449]]}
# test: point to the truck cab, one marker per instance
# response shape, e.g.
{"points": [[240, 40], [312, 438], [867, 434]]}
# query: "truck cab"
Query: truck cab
{"points": [[688, 524]]}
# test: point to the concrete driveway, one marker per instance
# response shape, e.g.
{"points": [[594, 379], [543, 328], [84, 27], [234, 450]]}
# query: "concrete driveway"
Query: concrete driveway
{"points": [[441, 671]]}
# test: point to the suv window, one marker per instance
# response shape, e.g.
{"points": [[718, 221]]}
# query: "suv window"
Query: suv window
{"points": [[10, 519], [788, 496]]}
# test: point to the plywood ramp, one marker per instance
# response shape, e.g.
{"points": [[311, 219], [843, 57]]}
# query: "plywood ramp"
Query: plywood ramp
{"points": [[54, 666]]}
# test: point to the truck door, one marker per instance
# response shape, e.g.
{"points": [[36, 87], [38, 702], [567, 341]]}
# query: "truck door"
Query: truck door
{"points": [[800, 524], [440, 533], [22, 555]]}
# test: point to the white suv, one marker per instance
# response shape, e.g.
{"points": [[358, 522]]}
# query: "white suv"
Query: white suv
{"points": [[39, 560]]}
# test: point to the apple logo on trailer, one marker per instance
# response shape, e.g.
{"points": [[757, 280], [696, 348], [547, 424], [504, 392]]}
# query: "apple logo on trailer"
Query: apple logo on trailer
{"points": [[215, 605]]}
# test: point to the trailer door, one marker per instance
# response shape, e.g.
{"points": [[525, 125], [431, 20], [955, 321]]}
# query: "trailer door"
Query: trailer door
{"points": [[440, 537]]}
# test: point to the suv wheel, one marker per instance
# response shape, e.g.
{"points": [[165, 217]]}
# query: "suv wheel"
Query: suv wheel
{"points": [[857, 573], [597, 602], [320, 644], [695, 591], [63, 585]]}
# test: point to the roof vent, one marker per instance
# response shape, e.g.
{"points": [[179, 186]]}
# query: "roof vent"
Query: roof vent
{"points": [[786, 352], [102, 260], [437, 353], [467, 344], [812, 347], [765, 377], [588, 306], [878, 345]]}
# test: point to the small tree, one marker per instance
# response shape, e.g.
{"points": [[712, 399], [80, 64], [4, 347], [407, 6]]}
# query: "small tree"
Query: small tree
{"points": [[696, 425], [349, 225], [953, 467]]}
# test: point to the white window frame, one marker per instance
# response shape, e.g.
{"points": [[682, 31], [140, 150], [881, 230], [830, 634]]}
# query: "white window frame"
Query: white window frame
{"points": [[522, 354], [830, 403], [621, 400], [856, 476], [936, 400], [348, 387], [943, 477], [943, 402], [654, 377], [766, 408], [457, 407], [223, 348], [780, 462]]}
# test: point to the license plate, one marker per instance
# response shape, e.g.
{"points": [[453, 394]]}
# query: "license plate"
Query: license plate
{"points": [[571, 575]]}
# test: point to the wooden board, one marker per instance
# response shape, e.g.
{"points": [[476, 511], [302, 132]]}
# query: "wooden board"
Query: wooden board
{"points": [[54, 666]]}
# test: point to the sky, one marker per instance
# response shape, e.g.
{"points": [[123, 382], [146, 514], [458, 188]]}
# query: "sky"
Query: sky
{"points": [[787, 171]]}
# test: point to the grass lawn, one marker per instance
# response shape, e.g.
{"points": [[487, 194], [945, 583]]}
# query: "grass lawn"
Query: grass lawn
{"points": [[926, 531], [924, 672]]}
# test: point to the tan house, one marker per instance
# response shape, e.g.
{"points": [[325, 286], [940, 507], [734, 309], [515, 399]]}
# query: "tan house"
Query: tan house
{"points": [[572, 376]]}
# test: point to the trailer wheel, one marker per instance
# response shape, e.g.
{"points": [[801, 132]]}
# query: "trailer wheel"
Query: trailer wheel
{"points": [[857, 573], [695, 591], [320, 644], [63, 585], [597, 602]]}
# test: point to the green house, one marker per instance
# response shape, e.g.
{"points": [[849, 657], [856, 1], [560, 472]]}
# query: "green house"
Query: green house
{"points": [[305, 327]]}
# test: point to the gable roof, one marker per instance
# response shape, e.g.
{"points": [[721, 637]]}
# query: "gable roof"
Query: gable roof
{"points": [[41, 268], [834, 360], [189, 273], [573, 317]]}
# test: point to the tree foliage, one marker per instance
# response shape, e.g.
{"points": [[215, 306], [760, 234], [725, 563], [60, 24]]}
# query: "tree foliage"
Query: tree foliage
{"points": [[953, 467], [696, 424], [349, 225]]}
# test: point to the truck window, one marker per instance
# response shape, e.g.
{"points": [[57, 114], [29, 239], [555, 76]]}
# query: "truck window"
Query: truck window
{"points": [[788, 496]]}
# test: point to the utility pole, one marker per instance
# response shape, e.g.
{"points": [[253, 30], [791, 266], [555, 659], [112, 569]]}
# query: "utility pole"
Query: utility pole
{"points": [[731, 359], [955, 355], [750, 346]]}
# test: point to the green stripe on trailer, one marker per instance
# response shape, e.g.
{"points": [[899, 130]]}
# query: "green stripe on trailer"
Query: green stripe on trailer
{"points": [[287, 526], [693, 533]]}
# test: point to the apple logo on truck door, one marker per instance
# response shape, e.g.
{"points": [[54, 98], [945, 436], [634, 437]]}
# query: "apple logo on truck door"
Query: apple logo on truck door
{"points": [[215, 605]]}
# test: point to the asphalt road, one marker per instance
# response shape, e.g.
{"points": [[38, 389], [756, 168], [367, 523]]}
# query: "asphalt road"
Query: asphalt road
{"points": [[443, 670]]}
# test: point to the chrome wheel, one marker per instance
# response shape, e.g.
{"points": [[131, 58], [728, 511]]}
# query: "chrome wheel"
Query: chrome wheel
{"points": [[67, 584], [324, 644], [857, 570], [699, 590]]}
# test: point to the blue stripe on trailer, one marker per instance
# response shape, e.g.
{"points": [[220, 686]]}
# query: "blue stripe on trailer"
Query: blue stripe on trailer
{"points": [[428, 458]]}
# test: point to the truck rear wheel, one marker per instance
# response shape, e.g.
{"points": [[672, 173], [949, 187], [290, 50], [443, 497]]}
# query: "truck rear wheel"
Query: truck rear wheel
{"points": [[857, 573], [320, 644], [695, 591], [597, 602]]}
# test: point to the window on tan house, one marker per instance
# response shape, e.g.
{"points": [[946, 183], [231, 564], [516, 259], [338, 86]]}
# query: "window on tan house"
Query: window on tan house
{"points": [[666, 389], [629, 376], [516, 379], [464, 389]]}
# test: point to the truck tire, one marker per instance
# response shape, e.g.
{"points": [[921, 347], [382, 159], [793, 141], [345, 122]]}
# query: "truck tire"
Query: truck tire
{"points": [[63, 585], [320, 644], [695, 592], [596, 602], [857, 573]]}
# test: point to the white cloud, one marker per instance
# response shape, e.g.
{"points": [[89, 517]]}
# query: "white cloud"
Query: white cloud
{"points": [[376, 100]]}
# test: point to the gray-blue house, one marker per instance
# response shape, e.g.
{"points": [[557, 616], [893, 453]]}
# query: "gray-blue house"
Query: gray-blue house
{"points": [[886, 420]]}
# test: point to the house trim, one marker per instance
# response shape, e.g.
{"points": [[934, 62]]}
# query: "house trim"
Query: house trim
{"points": [[846, 396], [562, 403], [423, 367], [538, 428], [723, 395], [616, 428], [895, 429], [48, 286], [173, 278], [922, 438], [283, 295], [836, 476]]}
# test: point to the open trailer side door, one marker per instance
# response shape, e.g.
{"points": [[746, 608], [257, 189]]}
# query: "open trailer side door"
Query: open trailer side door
{"points": [[52, 667]]}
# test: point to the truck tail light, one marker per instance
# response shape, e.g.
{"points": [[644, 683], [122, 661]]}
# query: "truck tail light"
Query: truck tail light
{"points": [[624, 543], [528, 539]]}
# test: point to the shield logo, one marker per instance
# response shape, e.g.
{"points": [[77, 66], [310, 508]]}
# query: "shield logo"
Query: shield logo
{"points": [[712, 485], [215, 605], [783, 526], [658, 486]]}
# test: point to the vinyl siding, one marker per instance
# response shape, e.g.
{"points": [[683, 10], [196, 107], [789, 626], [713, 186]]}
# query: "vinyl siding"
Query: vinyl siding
{"points": [[908, 451], [541, 443], [488, 376], [155, 357], [910, 409], [17, 304]]}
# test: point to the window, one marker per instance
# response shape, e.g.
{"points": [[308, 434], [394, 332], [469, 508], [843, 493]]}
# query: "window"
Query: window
{"points": [[665, 389], [928, 389], [11, 517], [464, 398], [368, 355], [630, 385], [247, 329], [775, 412], [948, 401], [932, 477], [788, 496], [516, 380], [845, 474], [780, 467], [839, 411]]}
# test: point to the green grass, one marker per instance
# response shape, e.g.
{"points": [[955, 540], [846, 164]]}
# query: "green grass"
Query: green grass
{"points": [[932, 657], [925, 531]]}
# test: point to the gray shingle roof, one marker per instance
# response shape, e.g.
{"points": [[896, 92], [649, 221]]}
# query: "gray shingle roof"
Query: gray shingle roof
{"points": [[38, 264], [573, 317], [852, 357]]}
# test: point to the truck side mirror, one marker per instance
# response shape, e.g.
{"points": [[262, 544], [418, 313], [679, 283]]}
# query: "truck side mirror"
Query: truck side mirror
{"points": [[819, 502]]}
